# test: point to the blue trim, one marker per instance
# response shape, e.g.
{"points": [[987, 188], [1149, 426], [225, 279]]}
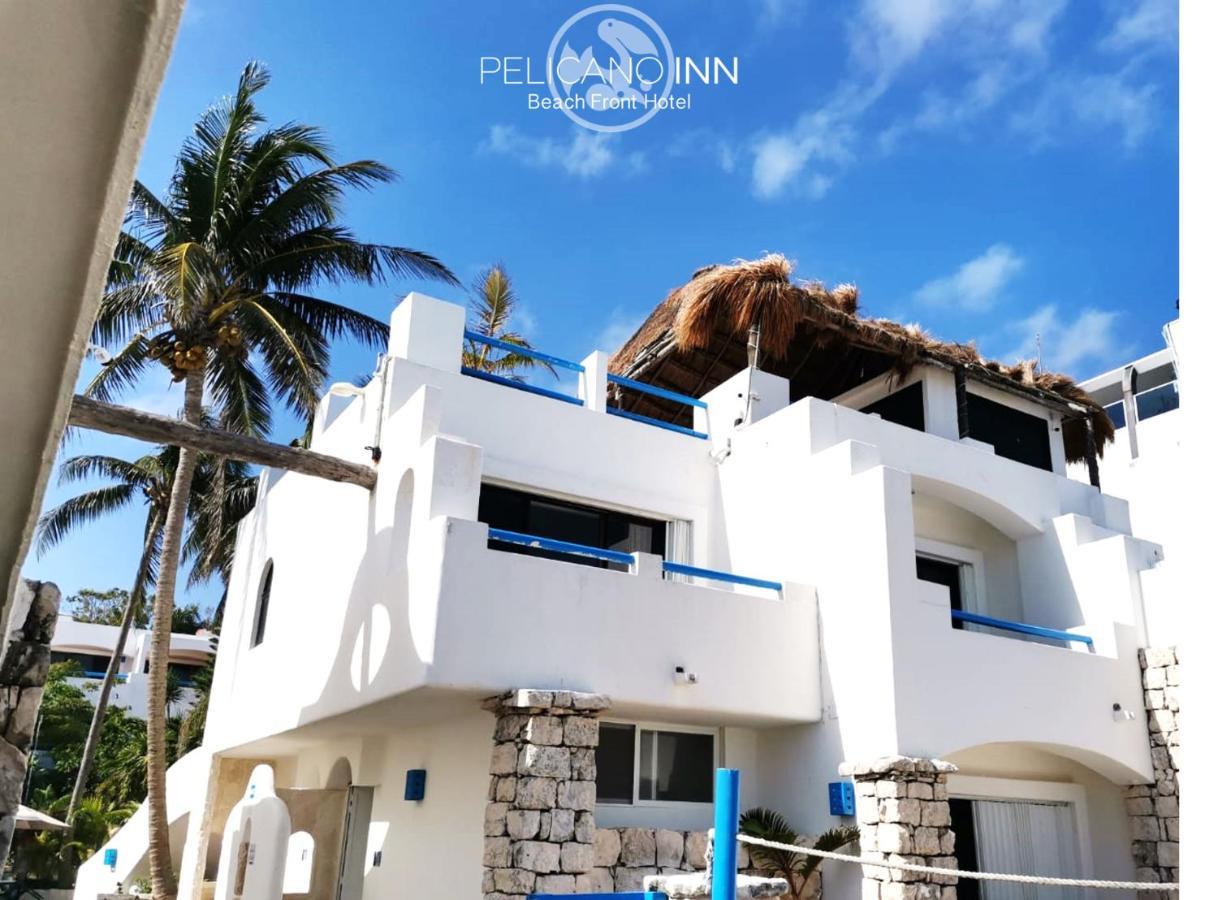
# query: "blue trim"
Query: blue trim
{"points": [[648, 420], [682, 569], [557, 361], [531, 540], [521, 386], [627, 895], [1022, 628], [655, 391], [727, 820]]}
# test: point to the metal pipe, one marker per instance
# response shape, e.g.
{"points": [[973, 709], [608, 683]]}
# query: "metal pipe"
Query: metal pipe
{"points": [[727, 819]]}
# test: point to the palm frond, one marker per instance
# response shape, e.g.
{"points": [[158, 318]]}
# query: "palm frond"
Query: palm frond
{"points": [[122, 371], [79, 468], [57, 523]]}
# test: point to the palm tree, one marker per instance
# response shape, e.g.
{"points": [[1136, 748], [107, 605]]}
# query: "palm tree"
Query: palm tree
{"points": [[494, 302], [151, 478], [215, 282], [796, 868]]}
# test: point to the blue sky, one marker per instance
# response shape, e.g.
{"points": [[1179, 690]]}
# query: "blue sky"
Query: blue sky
{"points": [[994, 170]]}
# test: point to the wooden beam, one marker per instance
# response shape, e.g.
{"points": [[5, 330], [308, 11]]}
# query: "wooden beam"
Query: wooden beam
{"points": [[961, 401], [1093, 466], [93, 414]]}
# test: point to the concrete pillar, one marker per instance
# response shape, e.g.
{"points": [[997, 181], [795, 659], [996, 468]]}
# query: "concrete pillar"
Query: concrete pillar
{"points": [[539, 822], [903, 817], [594, 383], [428, 332], [25, 657], [1154, 809]]}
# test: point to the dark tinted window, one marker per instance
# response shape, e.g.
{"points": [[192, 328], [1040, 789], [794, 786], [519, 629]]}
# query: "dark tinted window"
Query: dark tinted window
{"points": [[561, 520], [961, 812], [1157, 401], [615, 764], [676, 766], [90, 662], [1014, 434], [1116, 412], [904, 407]]}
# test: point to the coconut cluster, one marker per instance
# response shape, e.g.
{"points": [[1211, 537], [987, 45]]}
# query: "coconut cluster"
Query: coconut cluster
{"points": [[182, 357]]}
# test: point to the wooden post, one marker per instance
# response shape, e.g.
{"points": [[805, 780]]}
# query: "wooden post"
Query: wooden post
{"points": [[1093, 466], [89, 413], [961, 401]]}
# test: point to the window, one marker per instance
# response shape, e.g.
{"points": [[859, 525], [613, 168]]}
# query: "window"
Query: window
{"points": [[264, 602], [903, 407], [1013, 434], [638, 764], [90, 662], [514, 510], [1157, 401], [1116, 412], [1024, 837]]}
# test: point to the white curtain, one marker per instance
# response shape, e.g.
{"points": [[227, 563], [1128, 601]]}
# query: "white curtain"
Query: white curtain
{"points": [[679, 545], [1026, 838]]}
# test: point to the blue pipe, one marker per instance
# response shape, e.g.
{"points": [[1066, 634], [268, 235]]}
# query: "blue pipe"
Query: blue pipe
{"points": [[644, 388], [682, 569], [727, 819], [530, 540], [1022, 628], [648, 420], [521, 385], [557, 361]]}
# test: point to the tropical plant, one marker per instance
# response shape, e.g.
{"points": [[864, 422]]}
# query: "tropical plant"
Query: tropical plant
{"points": [[102, 607], [190, 731], [494, 302], [796, 868], [53, 854], [216, 282], [149, 478]]}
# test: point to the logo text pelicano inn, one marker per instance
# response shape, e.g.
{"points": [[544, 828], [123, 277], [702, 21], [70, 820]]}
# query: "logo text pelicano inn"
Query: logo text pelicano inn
{"points": [[610, 68]]}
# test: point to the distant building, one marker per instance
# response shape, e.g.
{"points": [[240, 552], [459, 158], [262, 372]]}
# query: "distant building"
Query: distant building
{"points": [[92, 645]]}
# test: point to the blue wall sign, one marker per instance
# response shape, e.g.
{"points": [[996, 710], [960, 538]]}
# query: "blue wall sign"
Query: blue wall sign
{"points": [[841, 798]]}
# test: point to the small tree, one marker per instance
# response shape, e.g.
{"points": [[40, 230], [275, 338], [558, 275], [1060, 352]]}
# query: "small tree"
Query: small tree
{"points": [[796, 868], [494, 303], [103, 607]]}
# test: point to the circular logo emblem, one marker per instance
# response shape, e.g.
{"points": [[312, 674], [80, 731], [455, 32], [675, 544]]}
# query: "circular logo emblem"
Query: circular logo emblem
{"points": [[610, 67]]}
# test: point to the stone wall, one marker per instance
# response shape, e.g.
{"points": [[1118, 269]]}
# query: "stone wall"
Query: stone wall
{"points": [[623, 857], [903, 817], [1154, 809], [539, 828], [25, 657]]}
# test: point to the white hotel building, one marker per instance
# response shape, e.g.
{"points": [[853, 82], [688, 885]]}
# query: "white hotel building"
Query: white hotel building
{"points": [[879, 585]]}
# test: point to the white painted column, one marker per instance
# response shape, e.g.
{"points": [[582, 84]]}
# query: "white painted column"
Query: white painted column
{"points": [[428, 331], [594, 383]]}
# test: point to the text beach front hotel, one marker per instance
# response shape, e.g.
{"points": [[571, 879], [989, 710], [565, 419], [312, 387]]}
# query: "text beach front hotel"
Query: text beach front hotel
{"points": [[514, 664]]}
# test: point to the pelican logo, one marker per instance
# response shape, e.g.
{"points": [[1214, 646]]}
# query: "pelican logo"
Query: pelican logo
{"points": [[610, 68], [623, 74]]}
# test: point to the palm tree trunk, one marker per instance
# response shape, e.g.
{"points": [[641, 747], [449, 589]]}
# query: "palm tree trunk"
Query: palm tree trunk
{"points": [[103, 698], [159, 860]]}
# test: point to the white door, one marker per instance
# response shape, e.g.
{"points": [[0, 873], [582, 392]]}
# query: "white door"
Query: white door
{"points": [[1026, 838], [355, 843]]}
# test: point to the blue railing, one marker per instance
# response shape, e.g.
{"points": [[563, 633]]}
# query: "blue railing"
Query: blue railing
{"points": [[547, 359], [1021, 628], [541, 543], [715, 575], [121, 677], [654, 391], [625, 559]]}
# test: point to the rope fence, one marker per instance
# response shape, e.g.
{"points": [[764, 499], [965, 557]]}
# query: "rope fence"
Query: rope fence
{"points": [[960, 873]]}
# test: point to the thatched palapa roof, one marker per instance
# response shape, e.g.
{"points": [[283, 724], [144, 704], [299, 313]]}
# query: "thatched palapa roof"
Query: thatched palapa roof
{"points": [[696, 339]]}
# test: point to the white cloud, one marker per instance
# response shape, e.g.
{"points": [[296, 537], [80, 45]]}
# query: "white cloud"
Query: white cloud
{"points": [[781, 160], [618, 329], [977, 285], [586, 155], [1063, 345], [1091, 103], [1152, 23]]}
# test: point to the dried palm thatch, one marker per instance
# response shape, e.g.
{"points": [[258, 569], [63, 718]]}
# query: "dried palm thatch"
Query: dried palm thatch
{"points": [[815, 336]]}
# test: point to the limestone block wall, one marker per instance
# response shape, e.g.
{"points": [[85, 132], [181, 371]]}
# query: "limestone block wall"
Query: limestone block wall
{"points": [[1154, 809], [25, 657], [539, 826], [903, 817], [623, 857]]}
